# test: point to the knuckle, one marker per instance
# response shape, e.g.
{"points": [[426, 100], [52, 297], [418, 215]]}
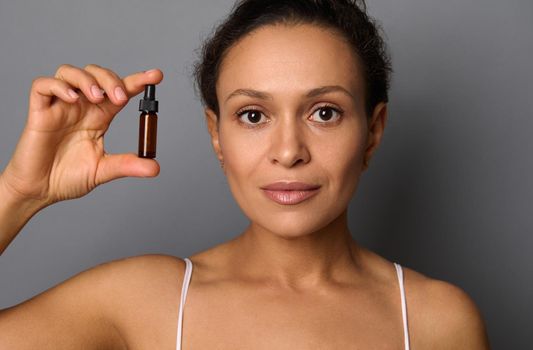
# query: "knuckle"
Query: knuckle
{"points": [[111, 75], [101, 72], [38, 80], [91, 66], [61, 68]]}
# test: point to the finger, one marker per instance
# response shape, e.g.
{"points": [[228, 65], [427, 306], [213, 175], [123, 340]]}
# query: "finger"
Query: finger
{"points": [[45, 88], [110, 82], [115, 166], [134, 84], [82, 80]]}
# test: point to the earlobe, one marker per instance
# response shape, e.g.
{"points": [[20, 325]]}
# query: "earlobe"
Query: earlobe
{"points": [[212, 127]]}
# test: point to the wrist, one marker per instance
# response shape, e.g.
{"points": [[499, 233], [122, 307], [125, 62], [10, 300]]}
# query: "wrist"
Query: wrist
{"points": [[15, 200], [15, 212]]}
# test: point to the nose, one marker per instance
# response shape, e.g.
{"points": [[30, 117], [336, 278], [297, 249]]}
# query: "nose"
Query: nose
{"points": [[288, 143]]}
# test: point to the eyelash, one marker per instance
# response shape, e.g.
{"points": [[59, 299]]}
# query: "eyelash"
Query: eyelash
{"points": [[242, 112]]}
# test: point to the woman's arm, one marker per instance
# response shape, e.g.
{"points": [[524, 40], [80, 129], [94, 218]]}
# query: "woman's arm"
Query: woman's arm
{"points": [[75, 314], [114, 305], [60, 156], [14, 214]]}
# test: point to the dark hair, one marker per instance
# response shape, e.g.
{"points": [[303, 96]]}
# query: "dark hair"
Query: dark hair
{"points": [[344, 16]]}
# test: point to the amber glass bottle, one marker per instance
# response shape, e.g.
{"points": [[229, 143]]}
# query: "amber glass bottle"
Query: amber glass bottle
{"points": [[148, 123]]}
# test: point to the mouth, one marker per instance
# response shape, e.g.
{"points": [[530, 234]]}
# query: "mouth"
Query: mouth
{"points": [[290, 197], [290, 192]]}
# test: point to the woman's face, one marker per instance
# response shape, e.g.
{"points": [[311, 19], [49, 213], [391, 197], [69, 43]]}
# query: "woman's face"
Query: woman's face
{"points": [[285, 134]]}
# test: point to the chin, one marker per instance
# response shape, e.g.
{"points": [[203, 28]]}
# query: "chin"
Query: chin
{"points": [[291, 225]]}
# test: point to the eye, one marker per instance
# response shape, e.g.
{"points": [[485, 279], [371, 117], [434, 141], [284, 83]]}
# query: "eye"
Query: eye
{"points": [[327, 112], [252, 115]]}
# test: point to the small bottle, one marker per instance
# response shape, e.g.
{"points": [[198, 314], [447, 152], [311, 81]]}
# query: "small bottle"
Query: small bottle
{"points": [[148, 123]]}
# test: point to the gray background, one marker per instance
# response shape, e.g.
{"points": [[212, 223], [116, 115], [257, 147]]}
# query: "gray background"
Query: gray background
{"points": [[448, 193]]}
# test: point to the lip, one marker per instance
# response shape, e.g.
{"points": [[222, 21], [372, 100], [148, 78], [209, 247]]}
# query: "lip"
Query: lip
{"points": [[290, 193], [290, 186], [290, 197]]}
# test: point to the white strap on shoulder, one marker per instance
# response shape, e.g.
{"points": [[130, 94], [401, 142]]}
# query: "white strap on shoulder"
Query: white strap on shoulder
{"points": [[184, 288], [399, 272]]}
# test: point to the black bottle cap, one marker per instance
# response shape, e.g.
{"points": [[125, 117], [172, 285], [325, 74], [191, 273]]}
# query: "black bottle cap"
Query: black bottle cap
{"points": [[149, 103]]}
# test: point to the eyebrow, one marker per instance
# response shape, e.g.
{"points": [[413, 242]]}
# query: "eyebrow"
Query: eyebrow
{"points": [[311, 93]]}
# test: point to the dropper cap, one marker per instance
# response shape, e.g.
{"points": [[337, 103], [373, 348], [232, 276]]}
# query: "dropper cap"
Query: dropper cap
{"points": [[149, 103]]}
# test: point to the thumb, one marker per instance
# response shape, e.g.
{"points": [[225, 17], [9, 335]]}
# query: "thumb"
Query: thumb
{"points": [[115, 166]]}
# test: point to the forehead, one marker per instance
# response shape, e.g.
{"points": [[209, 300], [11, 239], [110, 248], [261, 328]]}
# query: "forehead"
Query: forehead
{"points": [[289, 59]]}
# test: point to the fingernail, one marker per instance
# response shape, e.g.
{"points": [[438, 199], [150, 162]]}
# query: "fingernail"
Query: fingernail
{"points": [[95, 90], [120, 94], [72, 93], [150, 71]]}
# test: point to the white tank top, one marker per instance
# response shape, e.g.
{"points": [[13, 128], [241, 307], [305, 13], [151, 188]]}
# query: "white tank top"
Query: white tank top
{"points": [[187, 280]]}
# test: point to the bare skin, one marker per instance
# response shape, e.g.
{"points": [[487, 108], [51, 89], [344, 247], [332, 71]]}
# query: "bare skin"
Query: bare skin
{"points": [[295, 278]]}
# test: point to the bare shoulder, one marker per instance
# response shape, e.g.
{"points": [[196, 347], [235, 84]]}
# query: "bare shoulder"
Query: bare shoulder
{"points": [[105, 306], [140, 296], [137, 276], [146, 296], [442, 315], [147, 267]]}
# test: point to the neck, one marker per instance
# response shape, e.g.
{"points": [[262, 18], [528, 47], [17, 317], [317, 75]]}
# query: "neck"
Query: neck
{"points": [[298, 262]]}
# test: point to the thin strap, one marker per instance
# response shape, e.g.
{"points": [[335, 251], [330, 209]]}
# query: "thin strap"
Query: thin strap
{"points": [[399, 272], [184, 288]]}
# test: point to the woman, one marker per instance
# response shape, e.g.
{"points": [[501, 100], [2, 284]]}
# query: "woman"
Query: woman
{"points": [[295, 96]]}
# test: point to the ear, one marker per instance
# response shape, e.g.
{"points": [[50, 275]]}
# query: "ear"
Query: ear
{"points": [[375, 131], [212, 127]]}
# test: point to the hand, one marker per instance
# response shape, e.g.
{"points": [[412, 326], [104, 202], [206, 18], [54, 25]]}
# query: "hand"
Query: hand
{"points": [[60, 154]]}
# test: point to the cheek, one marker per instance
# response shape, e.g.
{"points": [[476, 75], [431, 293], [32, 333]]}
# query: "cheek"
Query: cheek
{"points": [[243, 155], [241, 151], [343, 159]]}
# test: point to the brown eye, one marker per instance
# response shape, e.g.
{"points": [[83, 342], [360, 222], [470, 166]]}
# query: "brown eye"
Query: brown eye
{"points": [[327, 113], [252, 115]]}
